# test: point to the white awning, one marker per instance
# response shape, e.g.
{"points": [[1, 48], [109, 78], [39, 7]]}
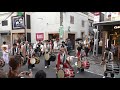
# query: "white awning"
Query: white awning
{"points": [[6, 31]]}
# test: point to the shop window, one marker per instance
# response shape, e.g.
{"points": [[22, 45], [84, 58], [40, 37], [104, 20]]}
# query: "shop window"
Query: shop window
{"points": [[71, 19], [5, 23]]}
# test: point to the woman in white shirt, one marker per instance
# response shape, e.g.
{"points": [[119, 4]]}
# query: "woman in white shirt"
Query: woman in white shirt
{"points": [[5, 52], [86, 46], [55, 46]]}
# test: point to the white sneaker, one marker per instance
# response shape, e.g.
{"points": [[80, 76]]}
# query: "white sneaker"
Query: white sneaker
{"points": [[45, 66], [77, 71], [103, 76]]}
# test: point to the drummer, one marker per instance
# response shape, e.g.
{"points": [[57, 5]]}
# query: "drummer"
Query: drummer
{"points": [[62, 59], [47, 49], [108, 56], [30, 55]]}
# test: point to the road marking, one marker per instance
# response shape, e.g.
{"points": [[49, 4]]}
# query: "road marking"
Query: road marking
{"points": [[93, 73], [89, 71]]}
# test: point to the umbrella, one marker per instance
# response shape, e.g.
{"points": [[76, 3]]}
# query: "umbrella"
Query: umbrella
{"points": [[78, 39]]}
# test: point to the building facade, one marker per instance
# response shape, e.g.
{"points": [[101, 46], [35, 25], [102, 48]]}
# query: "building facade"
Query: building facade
{"points": [[44, 25], [12, 27], [47, 24]]}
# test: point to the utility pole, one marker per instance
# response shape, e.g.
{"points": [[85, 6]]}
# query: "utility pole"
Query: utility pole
{"points": [[61, 32], [25, 28], [61, 18]]}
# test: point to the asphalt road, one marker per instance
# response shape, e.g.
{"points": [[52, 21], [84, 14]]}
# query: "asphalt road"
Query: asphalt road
{"points": [[51, 71]]}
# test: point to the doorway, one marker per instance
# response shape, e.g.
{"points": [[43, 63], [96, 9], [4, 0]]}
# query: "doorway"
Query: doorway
{"points": [[82, 35], [53, 36], [72, 38]]}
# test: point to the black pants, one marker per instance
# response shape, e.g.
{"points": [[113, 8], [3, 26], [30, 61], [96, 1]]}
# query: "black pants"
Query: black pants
{"points": [[30, 66], [47, 63], [86, 50], [68, 49]]}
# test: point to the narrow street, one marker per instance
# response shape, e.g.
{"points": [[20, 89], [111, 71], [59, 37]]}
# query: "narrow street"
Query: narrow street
{"points": [[51, 72]]}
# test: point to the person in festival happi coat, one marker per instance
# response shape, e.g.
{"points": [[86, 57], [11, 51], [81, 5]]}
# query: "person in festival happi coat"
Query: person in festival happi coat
{"points": [[64, 63], [108, 56], [86, 46], [14, 49], [5, 52], [62, 59], [47, 50], [30, 55]]}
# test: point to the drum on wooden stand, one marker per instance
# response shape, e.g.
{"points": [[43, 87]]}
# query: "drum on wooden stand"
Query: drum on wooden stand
{"points": [[79, 64], [47, 56], [60, 73], [32, 61], [85, 64], [37, 60], [69, 73]]}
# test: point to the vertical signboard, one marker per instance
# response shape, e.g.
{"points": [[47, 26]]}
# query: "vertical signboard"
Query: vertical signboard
{"points": [[18, 22], [39, 36], [61, 32]]}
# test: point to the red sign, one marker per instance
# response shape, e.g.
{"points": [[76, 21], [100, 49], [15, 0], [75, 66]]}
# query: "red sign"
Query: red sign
{"points": [[96, 13], [39, 36]]}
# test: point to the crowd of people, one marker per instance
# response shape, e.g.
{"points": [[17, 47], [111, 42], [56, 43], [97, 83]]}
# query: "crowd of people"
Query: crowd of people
{"points": [[21, 53]]}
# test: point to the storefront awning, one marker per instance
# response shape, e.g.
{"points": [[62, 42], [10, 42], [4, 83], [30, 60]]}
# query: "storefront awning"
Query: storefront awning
{"points": [[7, 31], [107, 23]]}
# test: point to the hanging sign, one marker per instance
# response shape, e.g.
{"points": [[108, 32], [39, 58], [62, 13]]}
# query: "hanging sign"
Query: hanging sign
{"points": [[39, 36], [61, 31], [116, 27]]}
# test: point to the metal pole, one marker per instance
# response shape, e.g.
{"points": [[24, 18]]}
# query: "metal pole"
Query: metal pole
{"points": [[94, 43], [61, 24], [97, 42]]}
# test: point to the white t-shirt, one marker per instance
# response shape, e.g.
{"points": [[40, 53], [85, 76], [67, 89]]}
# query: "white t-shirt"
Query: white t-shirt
{"points": [[4, 51], [55, 45], [86, 43], [46, 47], [42, 48]]}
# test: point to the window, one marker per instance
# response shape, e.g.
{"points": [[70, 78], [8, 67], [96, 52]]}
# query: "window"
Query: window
{"points": [[90, 24], [28, 22], [83, 23], [71, 19], [5, 23]]}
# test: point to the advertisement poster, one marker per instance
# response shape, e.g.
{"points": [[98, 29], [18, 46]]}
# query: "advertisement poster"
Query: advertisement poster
{"points": [[39, 36], [18, 22]]}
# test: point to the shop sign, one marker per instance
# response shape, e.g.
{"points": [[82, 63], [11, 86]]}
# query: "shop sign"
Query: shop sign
{"points": [[39, 36], [18, 22], [116, 27], [61, 31]]}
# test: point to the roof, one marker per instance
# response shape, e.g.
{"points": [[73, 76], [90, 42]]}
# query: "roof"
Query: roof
{"points": [[107, 23]]}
